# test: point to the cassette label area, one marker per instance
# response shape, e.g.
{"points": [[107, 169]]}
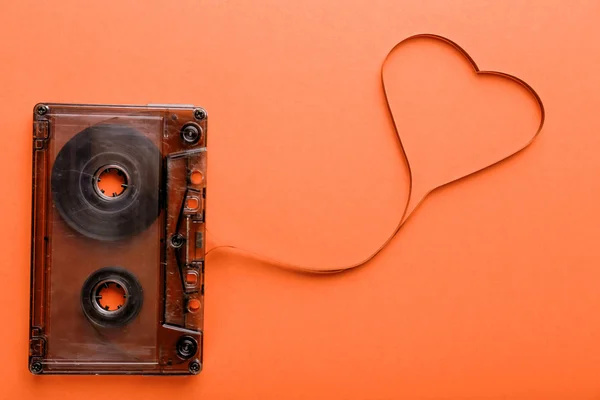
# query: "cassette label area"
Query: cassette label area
{"points": [[117, 280]]}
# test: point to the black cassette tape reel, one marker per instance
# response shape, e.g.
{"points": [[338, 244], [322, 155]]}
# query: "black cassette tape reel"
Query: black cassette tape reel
{"points": [[88, 209], [78, 169]]}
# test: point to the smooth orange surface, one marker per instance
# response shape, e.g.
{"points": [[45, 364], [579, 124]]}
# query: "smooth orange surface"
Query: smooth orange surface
{"points": [[490, 290]]}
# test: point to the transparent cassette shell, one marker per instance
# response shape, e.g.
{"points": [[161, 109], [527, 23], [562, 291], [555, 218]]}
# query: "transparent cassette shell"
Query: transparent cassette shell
{"points": [[146, 238]]}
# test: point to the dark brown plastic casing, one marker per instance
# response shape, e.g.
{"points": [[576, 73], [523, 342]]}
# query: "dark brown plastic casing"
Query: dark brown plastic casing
{"points": [[152, 242]]}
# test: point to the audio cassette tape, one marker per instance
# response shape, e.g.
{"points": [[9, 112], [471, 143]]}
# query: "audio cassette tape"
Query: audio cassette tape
{"points": [[117, 270]]}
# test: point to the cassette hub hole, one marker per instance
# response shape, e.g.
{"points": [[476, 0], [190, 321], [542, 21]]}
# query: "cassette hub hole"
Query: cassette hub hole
{"points": [[110, 182], [110, 296]]}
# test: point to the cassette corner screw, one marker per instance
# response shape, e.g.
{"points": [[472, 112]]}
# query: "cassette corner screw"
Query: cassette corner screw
{"points": [[199, 114], [42, 109], [36, 367], [195, 367]]}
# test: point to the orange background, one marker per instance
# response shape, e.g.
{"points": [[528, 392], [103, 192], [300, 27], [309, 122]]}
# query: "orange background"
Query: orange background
{"points": [[492, 288]]}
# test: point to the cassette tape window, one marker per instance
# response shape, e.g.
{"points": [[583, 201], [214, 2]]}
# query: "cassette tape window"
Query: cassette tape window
{"points": [[117, 246]]}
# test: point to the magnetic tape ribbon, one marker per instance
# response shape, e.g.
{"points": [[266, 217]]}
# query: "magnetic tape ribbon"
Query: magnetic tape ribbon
{"points": [[406, 213]]}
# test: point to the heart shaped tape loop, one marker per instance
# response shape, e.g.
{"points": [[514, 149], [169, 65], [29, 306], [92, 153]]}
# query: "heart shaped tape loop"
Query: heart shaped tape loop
{"points": [[417, 193]]}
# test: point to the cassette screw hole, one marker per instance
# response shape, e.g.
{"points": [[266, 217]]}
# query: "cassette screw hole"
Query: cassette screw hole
{"points": [[177, 240], [195, 367], [36, 367], [111, 296], [199, 114]]}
